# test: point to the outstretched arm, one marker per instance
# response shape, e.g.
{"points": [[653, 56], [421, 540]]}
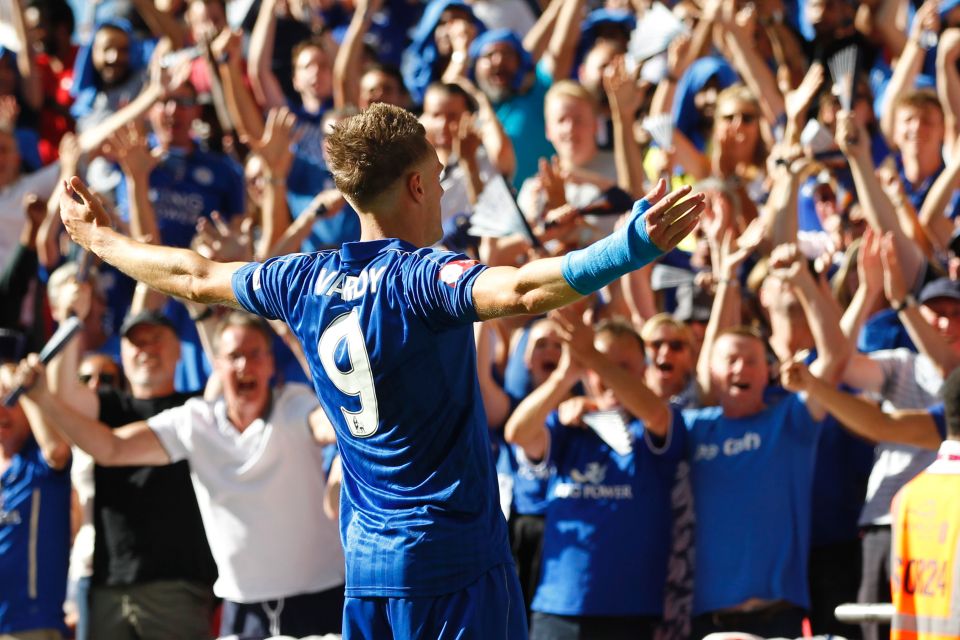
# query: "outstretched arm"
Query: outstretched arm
{"points": [[862, 418], [30, 83], [659, 222], [134, 444], [177, 272]]}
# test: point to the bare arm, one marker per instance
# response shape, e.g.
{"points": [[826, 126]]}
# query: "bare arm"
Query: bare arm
{"points": [[161, 23], [862, 418], [909, 64], [134, 444], [539, 286], [266, 87], [948, 85], [558, 58], [933, 219], [823, 318], [496, 402], [129, 146], [347, 66], [754, 71], [624, 101], [246, 114], [30, 82], [526, 427], [928, 340], [178, 272], [536, 40], [634, 396], [53, 447], [877, 207]]}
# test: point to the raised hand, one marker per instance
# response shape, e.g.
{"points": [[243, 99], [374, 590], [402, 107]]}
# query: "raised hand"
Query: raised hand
{"points": [[671, 218], [797, 102], [894, 285], [621, 89], [82, 212], [552, 183], [227, 46], [9, 111], [787, 263], [869, 263], [850, 137], [128, 147], [795, 376], [274, 145], [466, 142], [216, 240]]}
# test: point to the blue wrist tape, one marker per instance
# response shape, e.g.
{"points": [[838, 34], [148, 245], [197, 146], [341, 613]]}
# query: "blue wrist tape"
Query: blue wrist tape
{"points": [[625, 250]]}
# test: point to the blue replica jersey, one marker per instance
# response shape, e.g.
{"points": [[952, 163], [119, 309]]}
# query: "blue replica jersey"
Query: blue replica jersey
{"points": [[387, 331], [34, 542], [185, 187], [606, 536], [938, 413], [752, 485]]}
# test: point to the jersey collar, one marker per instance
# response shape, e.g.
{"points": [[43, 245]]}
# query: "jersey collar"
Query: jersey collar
{"points": [[363, 252]]}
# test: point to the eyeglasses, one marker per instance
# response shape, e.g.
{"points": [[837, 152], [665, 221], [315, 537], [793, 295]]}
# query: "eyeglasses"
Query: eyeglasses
{"points": [[106, 379], [673, 345]]}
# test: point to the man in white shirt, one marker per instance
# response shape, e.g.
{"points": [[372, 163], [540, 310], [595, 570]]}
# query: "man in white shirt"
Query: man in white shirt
{"points": [[257, 470]]}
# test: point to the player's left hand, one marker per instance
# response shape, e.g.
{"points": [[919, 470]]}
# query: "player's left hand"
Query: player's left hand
{"points": [[670, 218], [82, 213]]}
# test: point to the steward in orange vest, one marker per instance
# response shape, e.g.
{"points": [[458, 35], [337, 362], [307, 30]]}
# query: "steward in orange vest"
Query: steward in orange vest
{"points": [[925, 571]]}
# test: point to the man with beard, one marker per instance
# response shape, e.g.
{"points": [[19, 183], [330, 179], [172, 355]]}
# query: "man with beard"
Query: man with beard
{"points": [[515, 75]]}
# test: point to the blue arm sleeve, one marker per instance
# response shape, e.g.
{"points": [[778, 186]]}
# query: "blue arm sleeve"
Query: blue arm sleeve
{"points": [[625, 250]]}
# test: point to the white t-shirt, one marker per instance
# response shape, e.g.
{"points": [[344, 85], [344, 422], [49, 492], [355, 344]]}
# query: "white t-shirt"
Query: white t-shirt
{"points": [[260, 494], [910, 381], [579, 194]]}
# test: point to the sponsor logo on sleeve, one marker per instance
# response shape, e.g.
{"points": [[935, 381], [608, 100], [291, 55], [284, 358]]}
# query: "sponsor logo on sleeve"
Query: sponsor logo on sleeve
{"points": [[452, 271]]}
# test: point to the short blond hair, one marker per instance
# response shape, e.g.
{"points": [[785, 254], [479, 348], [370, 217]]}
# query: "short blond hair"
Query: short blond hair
{"points": [[569, 89], [665, 319]]}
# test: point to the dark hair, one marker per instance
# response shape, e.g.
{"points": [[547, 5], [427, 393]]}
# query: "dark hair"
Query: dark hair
{"points": [[312, 42], [55, 12], [950, 392], [243, 319], [391, 70], [451, 89], [369, 152]]}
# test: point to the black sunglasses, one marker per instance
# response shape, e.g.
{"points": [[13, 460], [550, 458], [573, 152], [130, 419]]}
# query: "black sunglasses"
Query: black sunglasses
{"points": [[107, 379]]}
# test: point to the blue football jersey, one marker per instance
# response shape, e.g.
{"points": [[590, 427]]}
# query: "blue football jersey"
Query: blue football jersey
{"points": [[387, 332]]}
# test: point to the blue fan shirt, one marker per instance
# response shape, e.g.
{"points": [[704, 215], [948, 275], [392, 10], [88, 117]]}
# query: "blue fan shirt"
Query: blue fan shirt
{"points": [[387, 331]]}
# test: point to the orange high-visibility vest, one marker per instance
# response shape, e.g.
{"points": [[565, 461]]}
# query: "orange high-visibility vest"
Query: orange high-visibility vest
{"points": [[925, 571]]}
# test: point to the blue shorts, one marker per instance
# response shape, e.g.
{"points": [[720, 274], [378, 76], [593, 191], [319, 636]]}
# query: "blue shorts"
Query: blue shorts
{"points": [[491, 608]]}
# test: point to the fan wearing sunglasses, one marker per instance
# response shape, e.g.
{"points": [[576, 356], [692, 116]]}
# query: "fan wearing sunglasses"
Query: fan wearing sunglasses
{"points": [[98, 371]]}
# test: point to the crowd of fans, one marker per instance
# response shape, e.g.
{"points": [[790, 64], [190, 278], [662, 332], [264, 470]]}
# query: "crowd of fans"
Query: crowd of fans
{"points": [[661, 476]]}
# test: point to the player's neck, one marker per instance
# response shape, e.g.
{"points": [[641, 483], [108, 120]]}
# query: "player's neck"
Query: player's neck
{"points": [[373, 227]]}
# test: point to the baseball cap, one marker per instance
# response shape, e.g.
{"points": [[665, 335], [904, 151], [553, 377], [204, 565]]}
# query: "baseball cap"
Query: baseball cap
{"points": [[145, 317], [940, 288]]}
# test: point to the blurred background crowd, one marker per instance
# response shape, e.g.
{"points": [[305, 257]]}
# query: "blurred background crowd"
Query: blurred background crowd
{"points": [[824, 134]]}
